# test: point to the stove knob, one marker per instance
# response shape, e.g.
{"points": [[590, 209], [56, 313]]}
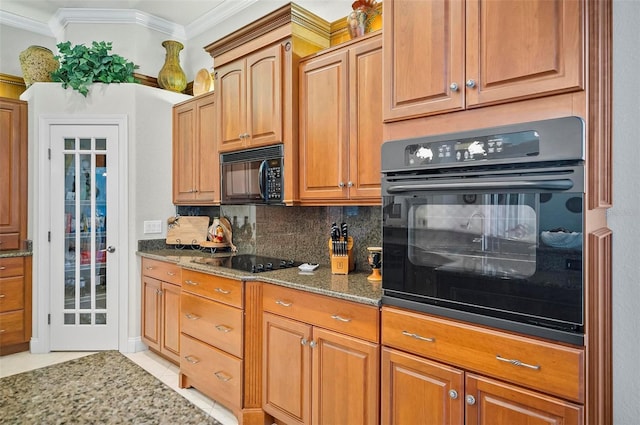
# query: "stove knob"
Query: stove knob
{"points": [[290, 263], [269, 266], [283, 264], [253, 269], [260, 268]]}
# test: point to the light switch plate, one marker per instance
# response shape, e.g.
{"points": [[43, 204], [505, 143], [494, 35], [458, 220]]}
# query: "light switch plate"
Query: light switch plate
{"points": [[153, 226]]}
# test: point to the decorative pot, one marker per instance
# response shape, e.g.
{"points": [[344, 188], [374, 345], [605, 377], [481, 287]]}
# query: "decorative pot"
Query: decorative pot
{"points": [[37, 64], [171, 76], [358, 22]]}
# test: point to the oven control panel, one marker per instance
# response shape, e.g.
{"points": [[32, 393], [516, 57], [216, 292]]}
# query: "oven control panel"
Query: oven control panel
{"points": [[523, 144]]}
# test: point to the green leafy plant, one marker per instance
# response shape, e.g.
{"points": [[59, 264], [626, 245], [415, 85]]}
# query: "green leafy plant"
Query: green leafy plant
{"points": [[81, 66]]}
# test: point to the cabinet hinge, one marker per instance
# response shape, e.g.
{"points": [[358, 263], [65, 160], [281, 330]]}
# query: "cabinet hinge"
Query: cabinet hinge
{"points": [[49, 319], [49, 153], [49, 236]]}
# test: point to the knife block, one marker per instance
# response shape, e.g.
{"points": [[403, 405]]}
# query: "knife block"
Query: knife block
{"points": [[342, 263]]}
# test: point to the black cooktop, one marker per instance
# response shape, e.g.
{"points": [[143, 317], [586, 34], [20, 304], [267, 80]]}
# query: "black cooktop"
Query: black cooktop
{"points": [[250, 263]]}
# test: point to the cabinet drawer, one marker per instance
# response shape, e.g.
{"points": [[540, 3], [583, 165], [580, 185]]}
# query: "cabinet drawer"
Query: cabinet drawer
{"points": [[11, 293], [12, 327], [213, 372], [228, 291], [9, 241], [11, 266], [162, 270], [212, 322], [548, 367], [342, 316]]}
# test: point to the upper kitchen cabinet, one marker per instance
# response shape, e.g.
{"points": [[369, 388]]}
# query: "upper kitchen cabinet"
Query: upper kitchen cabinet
{"points": [[196, 176], [341, 124], [256, 84], [13, 174], [250, 91], [452, 55]]}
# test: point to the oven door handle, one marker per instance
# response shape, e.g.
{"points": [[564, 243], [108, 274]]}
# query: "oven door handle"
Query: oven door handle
{"points": [[466, 186]]}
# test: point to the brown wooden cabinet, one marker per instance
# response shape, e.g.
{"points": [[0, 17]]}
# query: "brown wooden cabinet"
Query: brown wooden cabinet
{"points": [[212, 338], [341, 124], [15, 304], [250, 93], [451, 55], [320, 359], [196, 174], [161, 308], [473, 375], [13, 174]]}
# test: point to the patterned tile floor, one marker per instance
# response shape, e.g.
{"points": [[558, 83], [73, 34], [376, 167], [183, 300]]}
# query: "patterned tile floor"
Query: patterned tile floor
{"points": [[162, 369]]}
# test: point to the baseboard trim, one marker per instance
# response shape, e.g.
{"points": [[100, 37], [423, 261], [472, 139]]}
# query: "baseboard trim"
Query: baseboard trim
{"points": [[134, 345]]}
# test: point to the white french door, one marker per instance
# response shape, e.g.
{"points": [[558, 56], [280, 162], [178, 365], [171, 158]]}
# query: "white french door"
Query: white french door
{"points": [[84, 206]]}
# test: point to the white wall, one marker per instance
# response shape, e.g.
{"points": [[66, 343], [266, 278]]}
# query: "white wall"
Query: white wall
{"points": [[624, 217], [146, 169]]}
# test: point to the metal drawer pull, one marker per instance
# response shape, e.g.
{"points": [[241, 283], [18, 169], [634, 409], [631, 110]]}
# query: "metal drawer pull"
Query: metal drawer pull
{"points": [[222, 291], [516, 362], [284, 304], [221, 376], [339, 318], [149, 268], [191, 316], [191, 359], [191, 282], [2, 295], [171, 273], [223, 328], [2, 331], [416, 336]]}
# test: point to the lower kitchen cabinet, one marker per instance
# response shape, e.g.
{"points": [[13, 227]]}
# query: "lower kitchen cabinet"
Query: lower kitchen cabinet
{"points": [[15, 304], [161, 308], [320, 359], [439, 371]]}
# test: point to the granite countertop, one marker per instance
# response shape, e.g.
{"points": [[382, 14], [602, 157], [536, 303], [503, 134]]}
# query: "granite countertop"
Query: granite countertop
{"points": [[352, 287], [15, 253]]}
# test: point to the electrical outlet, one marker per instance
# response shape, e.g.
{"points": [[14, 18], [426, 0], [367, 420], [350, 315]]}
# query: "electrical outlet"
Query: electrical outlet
{"points": [[153, 226]]}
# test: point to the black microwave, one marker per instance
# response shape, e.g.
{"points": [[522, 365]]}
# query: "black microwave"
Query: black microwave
{"points": [[253, 176]]}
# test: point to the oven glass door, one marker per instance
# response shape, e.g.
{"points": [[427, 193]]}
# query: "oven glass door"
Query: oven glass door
{"points": [[513, 256]]}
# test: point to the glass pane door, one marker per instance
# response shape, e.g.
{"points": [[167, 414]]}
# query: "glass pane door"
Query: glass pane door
{"points": [[85, 224]]}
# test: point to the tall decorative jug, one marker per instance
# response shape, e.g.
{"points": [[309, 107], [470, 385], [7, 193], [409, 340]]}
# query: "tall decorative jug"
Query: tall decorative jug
{"points": [[171, 76]]}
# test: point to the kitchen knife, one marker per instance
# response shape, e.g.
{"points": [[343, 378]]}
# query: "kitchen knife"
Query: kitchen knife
{"points": [[335, 235], [345, 235]]}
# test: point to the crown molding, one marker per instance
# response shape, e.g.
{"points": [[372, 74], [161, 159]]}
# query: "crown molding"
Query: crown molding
{"points": [[219, 14], [27, 24]]}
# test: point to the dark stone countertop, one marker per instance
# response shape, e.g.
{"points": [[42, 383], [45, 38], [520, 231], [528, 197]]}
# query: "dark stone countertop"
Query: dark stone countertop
{"points": [[352, 287], [15, 253]]}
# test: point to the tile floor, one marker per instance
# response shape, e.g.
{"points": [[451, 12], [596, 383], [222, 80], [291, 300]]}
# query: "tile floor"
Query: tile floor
{"points": [[162, 369]]}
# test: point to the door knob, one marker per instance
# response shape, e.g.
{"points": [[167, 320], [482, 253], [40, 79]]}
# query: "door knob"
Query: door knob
{"points": [[109, 249]]}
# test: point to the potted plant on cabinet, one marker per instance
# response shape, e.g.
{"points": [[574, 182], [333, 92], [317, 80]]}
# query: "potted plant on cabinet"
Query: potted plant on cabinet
{"points": [[81, 66]]}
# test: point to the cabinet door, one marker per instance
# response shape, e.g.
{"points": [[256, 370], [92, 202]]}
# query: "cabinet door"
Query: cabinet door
{"points": [[264, 97], [171, 321], [523, 49], [490, 402], [207, 158], [13, 172], [365, 120], [184, 145], [345, 379], [419, 391], [232, 118], [423, 57], [151, 312], [286, 389], [323, 127]]}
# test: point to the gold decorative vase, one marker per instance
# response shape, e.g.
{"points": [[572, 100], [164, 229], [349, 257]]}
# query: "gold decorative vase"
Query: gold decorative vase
{"points": [[37, 64], [358, 22], [171, 76]]}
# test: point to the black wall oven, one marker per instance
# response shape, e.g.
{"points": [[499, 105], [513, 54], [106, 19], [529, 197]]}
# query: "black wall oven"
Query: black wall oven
{"points": [[487, 226]]}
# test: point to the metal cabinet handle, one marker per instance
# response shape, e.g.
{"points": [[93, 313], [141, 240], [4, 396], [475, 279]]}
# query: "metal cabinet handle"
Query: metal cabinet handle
{"points": [[171, 273], [223, 328], [303, 341], [340, 319], [453, 394], [2, 331], [283, 303], [471, 400], [149, 268], [222, 291], [2, 295], [340, 184], [313, 344], [191, 316], [517, 362], [191, 282], [158, 291], [416, 336], [349, 184], [191, 359], [223, 377], [453, 86], [470, 83]]}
